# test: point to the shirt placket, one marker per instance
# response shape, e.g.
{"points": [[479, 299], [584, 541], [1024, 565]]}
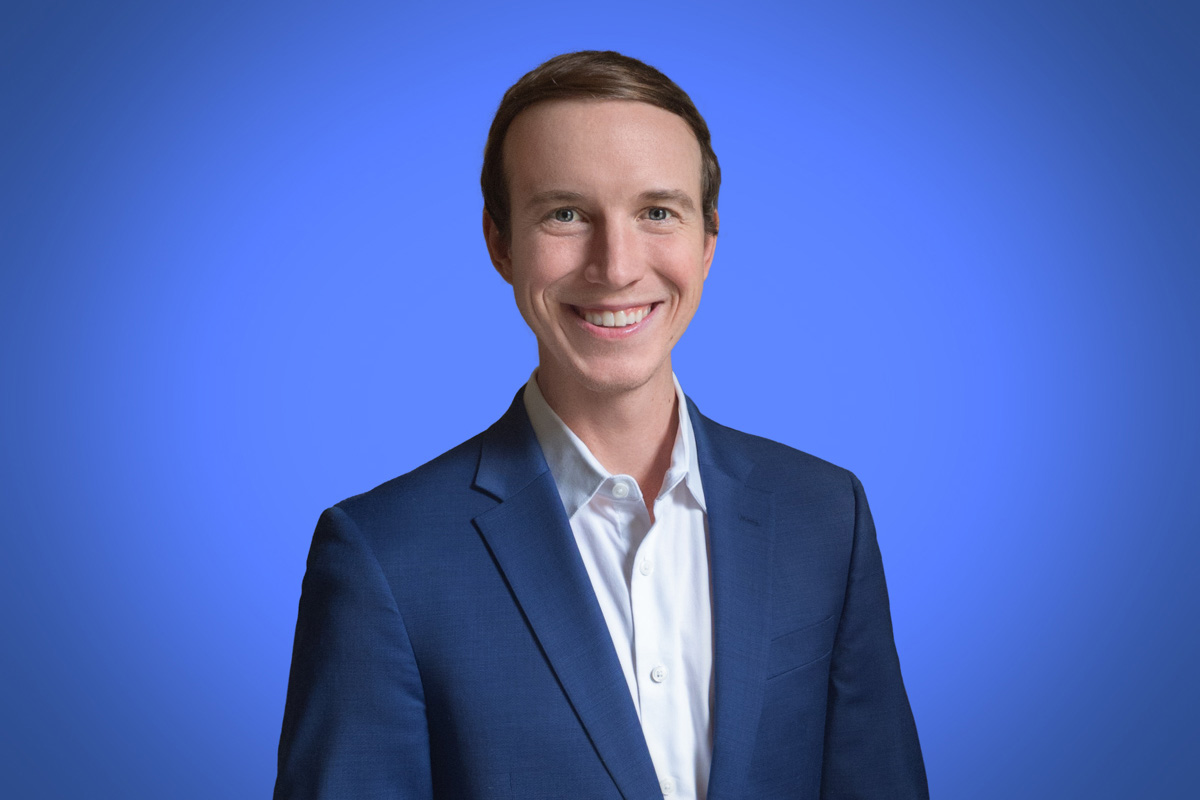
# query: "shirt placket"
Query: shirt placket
{"points": [[656, 657]]}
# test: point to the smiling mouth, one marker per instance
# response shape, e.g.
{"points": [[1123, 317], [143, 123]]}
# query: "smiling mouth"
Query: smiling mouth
{"points": [[623, 318]]}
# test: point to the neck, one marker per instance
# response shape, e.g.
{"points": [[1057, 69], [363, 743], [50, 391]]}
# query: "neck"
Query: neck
{"points": [[630, 432]]}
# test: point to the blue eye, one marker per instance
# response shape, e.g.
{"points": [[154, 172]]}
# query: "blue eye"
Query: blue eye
{"points": [[566, 215], [658, 214]]}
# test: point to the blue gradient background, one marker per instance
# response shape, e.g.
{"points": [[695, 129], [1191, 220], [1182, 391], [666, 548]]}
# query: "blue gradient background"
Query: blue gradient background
{"points": [[244, 279]]}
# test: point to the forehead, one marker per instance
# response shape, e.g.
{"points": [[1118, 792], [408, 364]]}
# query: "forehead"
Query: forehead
{"points": [[595, 145]]}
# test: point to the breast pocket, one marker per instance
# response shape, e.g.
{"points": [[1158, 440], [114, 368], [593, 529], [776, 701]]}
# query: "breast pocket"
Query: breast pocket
{"points": [[802, 647]]}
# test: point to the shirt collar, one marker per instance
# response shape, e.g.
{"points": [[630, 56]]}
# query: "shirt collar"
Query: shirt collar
{"points": [[576, 471]]}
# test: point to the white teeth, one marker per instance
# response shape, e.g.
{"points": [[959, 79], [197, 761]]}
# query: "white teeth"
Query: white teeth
{"points": [[618, 319]]}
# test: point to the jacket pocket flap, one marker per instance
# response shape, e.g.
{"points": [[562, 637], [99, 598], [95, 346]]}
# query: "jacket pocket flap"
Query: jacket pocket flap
{"points": [[801, 647]]}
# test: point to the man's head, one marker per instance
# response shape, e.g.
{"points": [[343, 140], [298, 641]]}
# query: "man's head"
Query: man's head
{"points": [[593, 75], [608, 209]]}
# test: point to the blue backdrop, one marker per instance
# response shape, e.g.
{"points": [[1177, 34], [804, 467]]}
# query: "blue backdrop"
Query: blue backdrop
{"points": [[960, 255]]}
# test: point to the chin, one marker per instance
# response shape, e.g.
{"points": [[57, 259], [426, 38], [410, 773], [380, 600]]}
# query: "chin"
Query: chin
{"points": [[616, 379]]}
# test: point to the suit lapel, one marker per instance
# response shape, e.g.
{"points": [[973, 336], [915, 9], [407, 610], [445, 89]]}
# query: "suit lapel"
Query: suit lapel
{"points": [[530, 537], [741, 538]]}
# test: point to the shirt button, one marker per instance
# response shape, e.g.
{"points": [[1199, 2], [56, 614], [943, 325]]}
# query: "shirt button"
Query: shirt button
{"points": [[646, 567], [667, 786], [620, 490], [658, 674]]}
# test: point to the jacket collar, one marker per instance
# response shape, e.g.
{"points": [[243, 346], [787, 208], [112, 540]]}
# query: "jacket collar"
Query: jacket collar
{"points": [[741, 527]]}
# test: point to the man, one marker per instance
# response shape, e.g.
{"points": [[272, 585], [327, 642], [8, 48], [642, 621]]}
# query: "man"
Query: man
{"points": [[605, 594]]}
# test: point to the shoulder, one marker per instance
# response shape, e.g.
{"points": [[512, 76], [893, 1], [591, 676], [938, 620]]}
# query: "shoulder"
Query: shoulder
{"points": [[430, 496], [816, 505], [433, 506], [766, 463]]}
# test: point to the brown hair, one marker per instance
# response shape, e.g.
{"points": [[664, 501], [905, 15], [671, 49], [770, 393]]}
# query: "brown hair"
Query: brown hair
{"points": [[596, 75]]}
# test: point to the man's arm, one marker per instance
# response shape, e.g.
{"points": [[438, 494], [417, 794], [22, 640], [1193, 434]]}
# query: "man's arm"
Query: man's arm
{"points": [[871, 747], [354, 725]]}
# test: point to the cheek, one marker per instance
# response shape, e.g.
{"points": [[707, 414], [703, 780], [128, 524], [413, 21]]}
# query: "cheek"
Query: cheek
{"points": [[682, 265], [546, 261], [550, 269]]}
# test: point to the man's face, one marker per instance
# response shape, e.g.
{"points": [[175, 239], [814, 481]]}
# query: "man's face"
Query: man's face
{"points": [[607, 254]]}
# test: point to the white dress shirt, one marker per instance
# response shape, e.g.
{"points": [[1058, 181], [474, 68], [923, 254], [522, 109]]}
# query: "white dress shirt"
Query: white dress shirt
{"points": [[652, 583]]}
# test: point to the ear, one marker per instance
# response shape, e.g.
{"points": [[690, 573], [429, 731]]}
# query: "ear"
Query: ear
{"points": [[498, 246], [710, 244]]}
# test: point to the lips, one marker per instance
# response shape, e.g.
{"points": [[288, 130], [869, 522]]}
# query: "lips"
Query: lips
{"points": [[606, 318]]}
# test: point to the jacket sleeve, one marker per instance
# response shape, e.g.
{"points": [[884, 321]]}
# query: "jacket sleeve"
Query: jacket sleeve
{"points": [[354, 725], [871, 746]]}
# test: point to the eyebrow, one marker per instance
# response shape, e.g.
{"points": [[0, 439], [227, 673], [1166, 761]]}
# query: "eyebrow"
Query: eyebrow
{"points": [[554, 196], [681, 198], [676, 196]]}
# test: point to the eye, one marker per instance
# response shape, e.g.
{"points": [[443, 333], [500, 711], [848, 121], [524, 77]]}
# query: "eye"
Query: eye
{"points": [[658, 214], [566, 215]]}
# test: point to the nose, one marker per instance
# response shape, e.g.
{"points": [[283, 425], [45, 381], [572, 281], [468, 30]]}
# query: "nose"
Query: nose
{"points": [[614, 258]]}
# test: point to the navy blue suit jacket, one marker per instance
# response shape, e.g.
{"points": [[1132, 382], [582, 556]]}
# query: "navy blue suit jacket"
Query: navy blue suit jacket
{"points": [[449, 643]]}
